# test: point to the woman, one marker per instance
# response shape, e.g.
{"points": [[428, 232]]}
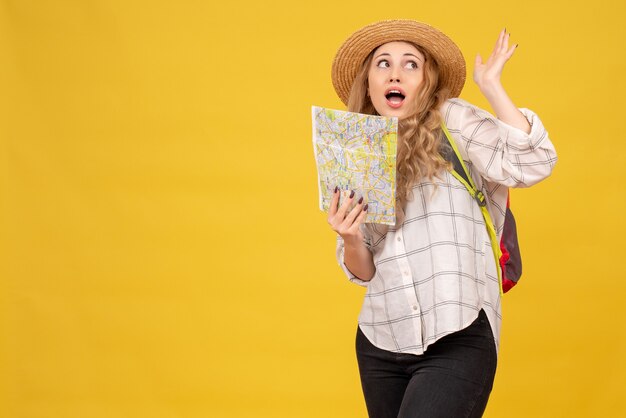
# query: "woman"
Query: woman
{"points": [[429, 326]]}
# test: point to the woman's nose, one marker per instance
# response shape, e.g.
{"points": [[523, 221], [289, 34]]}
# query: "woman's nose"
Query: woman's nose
{"points": [[394, 75]]}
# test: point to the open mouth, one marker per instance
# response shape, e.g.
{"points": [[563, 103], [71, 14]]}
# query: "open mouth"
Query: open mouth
{"points": [[394, 97]]}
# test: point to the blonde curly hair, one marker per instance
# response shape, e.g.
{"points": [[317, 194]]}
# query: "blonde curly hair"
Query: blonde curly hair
{"points": [[419, 134]]}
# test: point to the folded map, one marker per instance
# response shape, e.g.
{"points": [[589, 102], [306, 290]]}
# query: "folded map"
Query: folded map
{"points": [[357, 152]]}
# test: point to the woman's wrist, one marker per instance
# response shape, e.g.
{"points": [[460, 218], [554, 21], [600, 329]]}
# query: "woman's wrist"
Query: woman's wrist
{"points": [[503, 106], [353, 242], [492, 90]]}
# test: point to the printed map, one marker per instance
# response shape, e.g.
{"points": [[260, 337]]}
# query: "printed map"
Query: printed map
{"points": [[357, 152]]}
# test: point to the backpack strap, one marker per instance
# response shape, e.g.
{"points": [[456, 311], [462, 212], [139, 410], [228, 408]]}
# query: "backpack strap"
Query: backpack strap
{"points": [[462, 174]]}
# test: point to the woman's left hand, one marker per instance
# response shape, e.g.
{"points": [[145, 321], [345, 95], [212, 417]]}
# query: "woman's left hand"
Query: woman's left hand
{"points": [[487, 75]]}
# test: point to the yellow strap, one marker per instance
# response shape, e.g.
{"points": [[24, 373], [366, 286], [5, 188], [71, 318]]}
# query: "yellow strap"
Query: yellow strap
{"points": [[478, 195]]}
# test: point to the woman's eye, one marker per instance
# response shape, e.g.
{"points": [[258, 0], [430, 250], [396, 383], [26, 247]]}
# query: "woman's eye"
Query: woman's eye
{"points": [[383, 64], [412, 65]]}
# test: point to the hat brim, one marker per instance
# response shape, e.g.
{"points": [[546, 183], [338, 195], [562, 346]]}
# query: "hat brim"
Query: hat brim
{"points": [[358, 46]]}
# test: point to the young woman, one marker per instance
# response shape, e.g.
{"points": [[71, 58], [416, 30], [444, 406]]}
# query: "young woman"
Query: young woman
{"points": [[429, 327]]}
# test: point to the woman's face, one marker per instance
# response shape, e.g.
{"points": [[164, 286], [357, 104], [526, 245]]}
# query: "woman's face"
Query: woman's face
{"points": [[394, 77]]}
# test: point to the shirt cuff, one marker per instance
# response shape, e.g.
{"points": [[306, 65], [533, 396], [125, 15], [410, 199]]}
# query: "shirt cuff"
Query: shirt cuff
{"points": [[520, 142]]}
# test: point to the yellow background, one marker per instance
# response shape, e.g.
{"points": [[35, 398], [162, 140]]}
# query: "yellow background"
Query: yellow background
{"points": [[161, 249]]}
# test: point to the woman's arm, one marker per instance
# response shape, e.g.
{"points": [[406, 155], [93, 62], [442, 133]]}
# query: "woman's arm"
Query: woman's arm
{"points": [[497, 151], [487, 77], [512, 149], [356, 257]]}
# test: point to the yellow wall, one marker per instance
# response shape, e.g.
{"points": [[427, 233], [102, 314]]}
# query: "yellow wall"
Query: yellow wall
{"points": [[161, 249]]}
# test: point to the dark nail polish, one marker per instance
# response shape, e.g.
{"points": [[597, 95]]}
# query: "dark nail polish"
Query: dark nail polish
{"points": [[336, 189], [365, 207], [352, 194], [360, 201], [516, 45]]}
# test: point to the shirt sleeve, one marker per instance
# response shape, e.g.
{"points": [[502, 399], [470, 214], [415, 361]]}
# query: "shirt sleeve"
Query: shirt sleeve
{"points": [[499, 152], [340, 260]]}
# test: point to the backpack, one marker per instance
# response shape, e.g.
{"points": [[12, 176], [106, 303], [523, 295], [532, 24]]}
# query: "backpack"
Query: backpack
{"points": [[506, 252]]}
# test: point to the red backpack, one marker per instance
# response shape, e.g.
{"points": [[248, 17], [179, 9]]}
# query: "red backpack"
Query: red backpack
{"points": [[506, 252]]}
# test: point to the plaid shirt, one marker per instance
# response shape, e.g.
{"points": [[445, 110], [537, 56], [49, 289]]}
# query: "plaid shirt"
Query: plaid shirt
{"points": [[436, 270]]}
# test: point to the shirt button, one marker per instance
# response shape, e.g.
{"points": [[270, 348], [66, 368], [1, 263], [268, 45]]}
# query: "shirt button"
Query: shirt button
{"points": [[406, 273], [399, 239], [415, 307]]}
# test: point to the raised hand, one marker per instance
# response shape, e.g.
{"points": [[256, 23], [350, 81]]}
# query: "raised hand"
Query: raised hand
{"points": [[487, 74]]}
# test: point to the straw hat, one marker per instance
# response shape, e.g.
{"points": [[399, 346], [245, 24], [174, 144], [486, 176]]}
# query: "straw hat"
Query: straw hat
{"points": [[357, 47]]}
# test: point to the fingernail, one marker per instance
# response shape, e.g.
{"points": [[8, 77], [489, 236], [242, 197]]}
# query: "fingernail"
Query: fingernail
{"points": [[336, 188], [516, 45], [360, 201], [352, 194], [365, 207]]}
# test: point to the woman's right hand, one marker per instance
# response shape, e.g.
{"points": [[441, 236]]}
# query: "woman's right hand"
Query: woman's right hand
{"points": [[347, 225]]}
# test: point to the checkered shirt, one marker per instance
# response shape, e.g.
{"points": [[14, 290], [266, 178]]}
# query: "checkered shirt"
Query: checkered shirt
{"points": [[436, 270]]}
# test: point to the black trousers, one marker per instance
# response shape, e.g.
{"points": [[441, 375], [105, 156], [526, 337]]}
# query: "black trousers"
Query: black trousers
{"points": [[452, 379]]}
